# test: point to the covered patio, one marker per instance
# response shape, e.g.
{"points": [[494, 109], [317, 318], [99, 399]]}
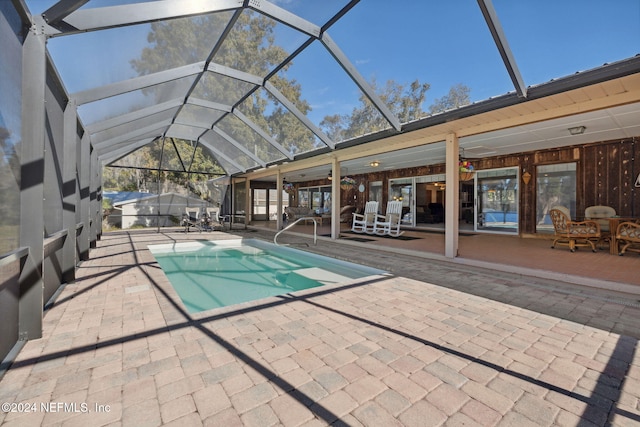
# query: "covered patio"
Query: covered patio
{"points": [[529, 256]]}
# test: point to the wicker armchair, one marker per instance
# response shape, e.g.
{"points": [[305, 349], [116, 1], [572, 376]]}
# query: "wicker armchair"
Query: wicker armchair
{"points": [[628, 237], [573, 233]]}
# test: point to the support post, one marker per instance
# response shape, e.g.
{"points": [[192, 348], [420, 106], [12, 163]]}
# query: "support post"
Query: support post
{"points": [[95, 224], [452, 196], [30, 306], [335, 199], [279, 223], [69, 185], [248, 209], [84, 195]]}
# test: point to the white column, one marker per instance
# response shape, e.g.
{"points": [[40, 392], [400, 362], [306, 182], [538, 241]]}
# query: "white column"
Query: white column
{"points": [[335, 199], [279, 200], [247, 203], [452, 195]]}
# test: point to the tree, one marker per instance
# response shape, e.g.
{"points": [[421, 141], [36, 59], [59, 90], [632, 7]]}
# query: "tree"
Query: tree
{"points": [[457, 97], [404, 101], [172, 158], [9, 191], [250, 48]]}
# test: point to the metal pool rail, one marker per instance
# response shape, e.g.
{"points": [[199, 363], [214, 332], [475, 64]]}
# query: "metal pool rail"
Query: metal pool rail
{"points": [[315, 228]]}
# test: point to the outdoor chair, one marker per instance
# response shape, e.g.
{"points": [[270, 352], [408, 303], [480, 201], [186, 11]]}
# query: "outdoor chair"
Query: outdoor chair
{"points": [[573, 233], [211, 219], [628, 237], [389, 224], [296, 212], [346, 213], [191, 218], [365, 222]]}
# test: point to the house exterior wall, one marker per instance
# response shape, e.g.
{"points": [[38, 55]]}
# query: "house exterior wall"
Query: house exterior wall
{"points": [[606, 175]]}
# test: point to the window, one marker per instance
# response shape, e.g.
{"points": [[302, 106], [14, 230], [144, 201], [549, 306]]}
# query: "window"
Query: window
{"points": [[555, 185], [375, 191]]}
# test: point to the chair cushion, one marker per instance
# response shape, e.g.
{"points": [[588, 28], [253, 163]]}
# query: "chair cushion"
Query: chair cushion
{"points": [[599, 211]]}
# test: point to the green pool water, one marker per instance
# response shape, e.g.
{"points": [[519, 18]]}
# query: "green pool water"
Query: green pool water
{"points": [[213, 274]]}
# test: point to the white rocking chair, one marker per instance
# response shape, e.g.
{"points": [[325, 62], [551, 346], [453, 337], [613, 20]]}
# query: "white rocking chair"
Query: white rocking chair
{"points": [[365, 222], [389, 225]]}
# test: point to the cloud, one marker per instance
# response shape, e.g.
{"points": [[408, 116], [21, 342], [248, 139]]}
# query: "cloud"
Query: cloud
{"points": [[322, 105], [362, 61]]}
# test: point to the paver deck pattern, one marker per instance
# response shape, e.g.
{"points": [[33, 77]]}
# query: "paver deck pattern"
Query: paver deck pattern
{"points": [[437, 344]]}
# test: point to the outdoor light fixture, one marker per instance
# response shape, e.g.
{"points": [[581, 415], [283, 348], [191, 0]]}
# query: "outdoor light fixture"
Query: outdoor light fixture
{"points": [[578, 130], [374, 164], [329, 177]]}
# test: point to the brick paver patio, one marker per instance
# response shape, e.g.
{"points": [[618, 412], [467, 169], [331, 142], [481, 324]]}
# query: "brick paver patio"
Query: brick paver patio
{"points": [[443, 344]]}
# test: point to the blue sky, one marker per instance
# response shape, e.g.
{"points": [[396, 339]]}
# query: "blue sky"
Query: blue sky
{"points": [[442, 43]]}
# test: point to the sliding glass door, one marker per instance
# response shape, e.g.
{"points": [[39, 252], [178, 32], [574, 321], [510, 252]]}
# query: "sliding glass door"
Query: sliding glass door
{"points": [[259, 204], [422, 199], [497, 200], [316, 198], [265, 204], [402, 190]]}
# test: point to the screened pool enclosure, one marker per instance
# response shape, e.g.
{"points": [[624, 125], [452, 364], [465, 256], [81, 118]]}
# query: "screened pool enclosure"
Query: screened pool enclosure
{"points": [[199, 99]]}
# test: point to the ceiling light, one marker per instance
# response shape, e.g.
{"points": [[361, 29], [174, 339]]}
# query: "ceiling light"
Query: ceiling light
{"points": [[578, 130], [374, 164]]}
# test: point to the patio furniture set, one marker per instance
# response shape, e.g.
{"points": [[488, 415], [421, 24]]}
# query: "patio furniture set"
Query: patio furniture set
{"points": [[207, 219], [601, 224]]}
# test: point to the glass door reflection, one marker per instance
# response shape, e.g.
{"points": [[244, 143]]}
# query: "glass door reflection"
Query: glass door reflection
{"points": [[497, 200], [402, 190]]}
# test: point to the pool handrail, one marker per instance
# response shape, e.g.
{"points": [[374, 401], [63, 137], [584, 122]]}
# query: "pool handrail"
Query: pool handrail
{"points": [[315, 228]]}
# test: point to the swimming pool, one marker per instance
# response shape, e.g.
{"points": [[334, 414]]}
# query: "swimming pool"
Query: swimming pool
{"points": [[213, 274]]}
